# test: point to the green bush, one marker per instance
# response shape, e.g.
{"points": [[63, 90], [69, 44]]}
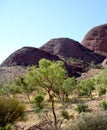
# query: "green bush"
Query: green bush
{"points": [[101, 90], [10, 111], [86, 87], [8, 127], [103, 104], [81, 107], [90, 121], [38, 100], [65, 114]]}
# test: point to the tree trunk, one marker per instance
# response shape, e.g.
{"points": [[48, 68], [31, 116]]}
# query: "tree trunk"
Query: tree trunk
{"points": [[28, 96], [53, 110]]}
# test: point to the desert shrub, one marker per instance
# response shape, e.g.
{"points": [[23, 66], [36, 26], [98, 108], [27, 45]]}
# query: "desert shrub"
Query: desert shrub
{"points": [[101, 82], [7, 127], [10, 111], [101, 90], [85, 87], [65, 114], [103, 105], [92, 65], [38, 100], [90, 121], [81, 107]]}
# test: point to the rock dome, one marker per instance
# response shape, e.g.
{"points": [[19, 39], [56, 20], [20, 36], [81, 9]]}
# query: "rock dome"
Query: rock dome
{"points": [[70, 48], [27, 56], [96, 40]]}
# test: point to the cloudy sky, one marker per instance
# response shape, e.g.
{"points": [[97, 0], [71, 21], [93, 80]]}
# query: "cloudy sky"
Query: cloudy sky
{"points": [[34, 22]]}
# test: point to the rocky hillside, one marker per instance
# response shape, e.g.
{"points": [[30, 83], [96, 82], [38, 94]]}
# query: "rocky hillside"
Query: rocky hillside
{"points": [[96, 40], [69, 48], [28, 56], [92, 49], [11, 72]]}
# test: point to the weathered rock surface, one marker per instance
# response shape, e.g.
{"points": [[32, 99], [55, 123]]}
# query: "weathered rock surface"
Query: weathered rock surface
{"points": [[11, 72], [104, 63], [96, 40], [63, 46], [28, 56], [69, 48]]}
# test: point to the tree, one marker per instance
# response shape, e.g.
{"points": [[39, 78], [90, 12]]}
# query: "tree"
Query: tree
{"points": [[25, 85], [85, 87], [101, 82], [68, 86], [49, 76]]}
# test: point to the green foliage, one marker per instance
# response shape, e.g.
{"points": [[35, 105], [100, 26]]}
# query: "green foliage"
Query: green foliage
{"points": [[81, 107], [103, 105], [10, 111], [90, 121], [38, 100], [48, 76], [92, 65], [101, 77], [26, 85], [8, 127], [85, 87], [69, 85], [101, 82], [101, 89], [10, 89], [65, 114]]}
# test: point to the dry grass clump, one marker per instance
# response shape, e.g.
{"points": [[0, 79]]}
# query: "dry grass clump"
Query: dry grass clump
{"points": [[90, 121]]}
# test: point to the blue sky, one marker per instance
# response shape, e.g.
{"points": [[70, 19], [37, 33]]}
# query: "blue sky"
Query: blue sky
{"points": [[34, 22]]}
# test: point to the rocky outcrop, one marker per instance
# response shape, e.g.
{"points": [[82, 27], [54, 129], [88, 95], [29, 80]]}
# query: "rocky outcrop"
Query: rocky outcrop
{"points": [[64, 47], [96, 40], [28, 56], [69, 48]]}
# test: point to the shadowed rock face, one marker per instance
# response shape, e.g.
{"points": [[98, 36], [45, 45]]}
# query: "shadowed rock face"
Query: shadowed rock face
{"points": [[96, 40], [27, 56], [69, 48], [64, 47]]}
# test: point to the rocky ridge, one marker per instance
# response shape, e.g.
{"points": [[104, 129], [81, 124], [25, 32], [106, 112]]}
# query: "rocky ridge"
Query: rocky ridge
{"points": [[92, 49], [67, 47], [28, 56]]}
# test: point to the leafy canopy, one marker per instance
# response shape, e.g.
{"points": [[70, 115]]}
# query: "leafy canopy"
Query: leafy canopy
{"points": [[48, 74]]}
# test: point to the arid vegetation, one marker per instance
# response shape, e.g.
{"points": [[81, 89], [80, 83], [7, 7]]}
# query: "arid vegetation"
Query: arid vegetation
{"points": [[53, 98]]}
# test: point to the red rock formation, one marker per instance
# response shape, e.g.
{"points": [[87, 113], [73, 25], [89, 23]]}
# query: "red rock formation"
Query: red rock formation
{"points": [[28, 56], [96, 39], [63, 46], [69, 48]]}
